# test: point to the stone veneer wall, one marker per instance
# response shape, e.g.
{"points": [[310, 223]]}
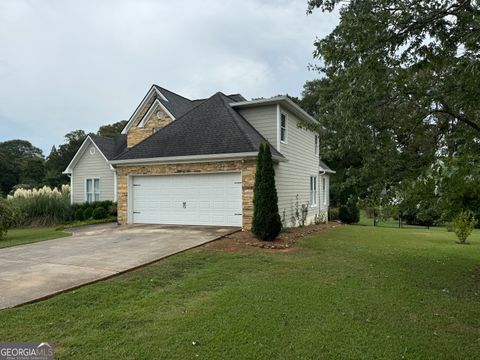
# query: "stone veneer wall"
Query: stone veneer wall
{"points": [[157, 120], [247, 167]]}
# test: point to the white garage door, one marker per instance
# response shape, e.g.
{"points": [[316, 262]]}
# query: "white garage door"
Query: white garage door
{"points": [[200, 199]]}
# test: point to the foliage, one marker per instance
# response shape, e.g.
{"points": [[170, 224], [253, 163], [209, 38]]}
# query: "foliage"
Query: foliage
{"points": [[87, 213], [20, 162], [59, 158], [349, 213], [333, 213], [9, 216], [403, 77], [99, 213], [463, 225], [112, 130], [79, 214], [446, 188], [266, 218], [44, 206], [299, 213]]}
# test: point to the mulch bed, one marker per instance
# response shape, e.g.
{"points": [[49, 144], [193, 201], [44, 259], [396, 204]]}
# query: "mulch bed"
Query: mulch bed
{"points": [[285, 240]]}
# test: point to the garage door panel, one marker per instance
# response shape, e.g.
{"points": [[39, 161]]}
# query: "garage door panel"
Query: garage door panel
{"points": [[210, 199]]}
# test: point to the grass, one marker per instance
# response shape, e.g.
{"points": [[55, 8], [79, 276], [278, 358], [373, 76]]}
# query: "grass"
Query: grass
{"points": [[78, 223], [352, 292], [30, 235]]}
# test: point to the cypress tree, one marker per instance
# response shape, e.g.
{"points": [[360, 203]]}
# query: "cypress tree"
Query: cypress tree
{"points": [[256, 226], [266, 219]]}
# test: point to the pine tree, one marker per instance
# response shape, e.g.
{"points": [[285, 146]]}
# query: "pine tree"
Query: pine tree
{"points": [[266, 219]]}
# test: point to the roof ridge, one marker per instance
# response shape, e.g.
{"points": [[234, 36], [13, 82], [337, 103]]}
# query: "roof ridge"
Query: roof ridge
{"points": [[162, 88]]}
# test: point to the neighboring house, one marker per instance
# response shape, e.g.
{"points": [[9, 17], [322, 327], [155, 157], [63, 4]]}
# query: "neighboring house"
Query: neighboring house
{"points": [[192, 162]]}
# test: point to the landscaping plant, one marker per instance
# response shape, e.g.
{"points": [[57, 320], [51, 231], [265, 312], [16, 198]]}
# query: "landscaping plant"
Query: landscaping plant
{"points": [[463, 225], [99, 213], [87, 213], [43, 206], [349, 213], [266, 219], [9, 216]]}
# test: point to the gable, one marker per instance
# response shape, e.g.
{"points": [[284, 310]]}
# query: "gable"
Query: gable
{"points": [[88, 146]]}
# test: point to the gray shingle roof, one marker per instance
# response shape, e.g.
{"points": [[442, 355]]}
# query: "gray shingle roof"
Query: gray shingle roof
{"points": [[176, 104], [110, 147], [210, 127], [325, 167]]}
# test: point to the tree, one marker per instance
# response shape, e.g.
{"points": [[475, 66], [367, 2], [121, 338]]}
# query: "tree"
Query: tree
{"points": [[400, 89], [112, 130], [58, 159], [266, 218], [16, 157]]}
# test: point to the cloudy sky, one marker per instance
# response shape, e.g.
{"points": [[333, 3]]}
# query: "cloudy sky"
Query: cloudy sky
{"points": [[79, 64]]}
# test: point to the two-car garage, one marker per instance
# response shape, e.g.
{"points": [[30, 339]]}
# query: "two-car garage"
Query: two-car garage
{"points": [[187, 199]]}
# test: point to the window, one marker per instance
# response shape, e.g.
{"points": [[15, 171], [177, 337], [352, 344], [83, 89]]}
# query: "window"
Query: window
{"points": [[316, 144], [283, 128], [93, 190], [313, 191], [324, 191]]}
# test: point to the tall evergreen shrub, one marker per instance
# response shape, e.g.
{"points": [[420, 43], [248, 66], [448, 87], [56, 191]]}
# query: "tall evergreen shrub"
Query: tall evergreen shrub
{"points": [[267, 223]]}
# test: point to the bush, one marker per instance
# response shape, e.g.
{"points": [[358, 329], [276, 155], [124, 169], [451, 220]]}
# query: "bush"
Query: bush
{"points": [[87, 213], [349, 214], [112, 210], [10, 215], [99, 213], [266, 219], [43, 206], [79, 214], [333, 214], [463, 225]]}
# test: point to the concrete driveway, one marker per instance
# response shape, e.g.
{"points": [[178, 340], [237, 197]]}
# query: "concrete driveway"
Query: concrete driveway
{"points": [[35, 271]]}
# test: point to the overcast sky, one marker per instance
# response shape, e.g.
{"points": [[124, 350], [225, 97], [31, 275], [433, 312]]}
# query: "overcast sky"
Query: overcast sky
{"points": [[67, 65]]}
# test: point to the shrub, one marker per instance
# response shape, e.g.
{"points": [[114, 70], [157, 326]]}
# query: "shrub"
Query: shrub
{"points": [[266, 219], [10, 215], [43, 206], [79, 214], [87, 213], [463, 225], [99, 213], [112, 209], [333, 214], [349, 214]]}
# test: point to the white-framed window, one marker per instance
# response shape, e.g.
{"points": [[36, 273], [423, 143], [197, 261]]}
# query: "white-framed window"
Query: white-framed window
{"points": [[316, 144], [92, 190], [283, 128], [313, 191], [324, 190]]}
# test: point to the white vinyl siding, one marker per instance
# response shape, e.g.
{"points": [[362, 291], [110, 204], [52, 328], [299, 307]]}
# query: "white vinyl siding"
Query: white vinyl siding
{"points": [[293, 176], [317, 146], [264, 119], [91, 166]]}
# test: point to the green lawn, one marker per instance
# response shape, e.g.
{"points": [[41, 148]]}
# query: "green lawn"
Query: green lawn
{"points": [[25, 236], [352, 292]]}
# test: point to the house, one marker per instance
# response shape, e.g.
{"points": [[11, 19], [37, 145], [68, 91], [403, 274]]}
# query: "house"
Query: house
{"points": [[192, 162]]}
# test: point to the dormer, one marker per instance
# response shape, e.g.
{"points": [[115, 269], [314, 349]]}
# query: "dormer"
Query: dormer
{"points": [[158, 109]]}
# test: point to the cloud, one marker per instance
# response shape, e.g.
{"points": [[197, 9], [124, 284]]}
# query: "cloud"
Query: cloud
{"points": [[69, 64]]}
